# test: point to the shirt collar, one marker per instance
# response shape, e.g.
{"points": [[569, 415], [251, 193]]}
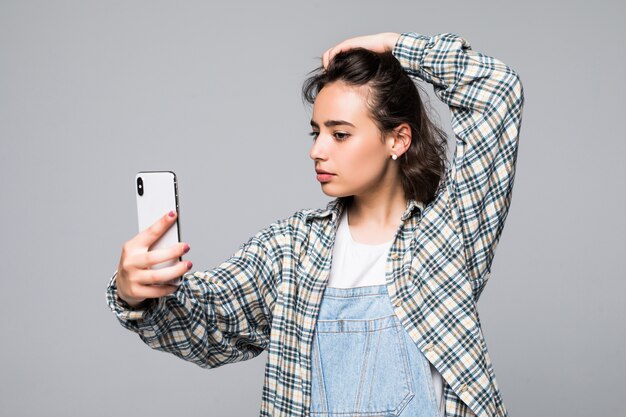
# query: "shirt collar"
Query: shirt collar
{"points": [[335, 207]]}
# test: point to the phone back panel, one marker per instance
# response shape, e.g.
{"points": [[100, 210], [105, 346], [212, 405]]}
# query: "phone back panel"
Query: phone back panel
{"points": [[160, 195]]}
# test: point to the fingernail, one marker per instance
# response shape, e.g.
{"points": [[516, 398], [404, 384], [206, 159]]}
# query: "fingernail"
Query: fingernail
{"points": [[186, 248], [171, 213], [189, 264]]}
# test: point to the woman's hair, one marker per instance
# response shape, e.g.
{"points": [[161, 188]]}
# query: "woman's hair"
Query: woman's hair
{"points": [[392, 98]]}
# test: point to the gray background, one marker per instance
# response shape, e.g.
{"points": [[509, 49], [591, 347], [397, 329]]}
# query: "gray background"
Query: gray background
{"points": [[92, 92]]}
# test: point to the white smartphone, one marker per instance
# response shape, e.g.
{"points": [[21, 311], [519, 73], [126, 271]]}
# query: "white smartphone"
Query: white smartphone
{"points": [[157, 194]]}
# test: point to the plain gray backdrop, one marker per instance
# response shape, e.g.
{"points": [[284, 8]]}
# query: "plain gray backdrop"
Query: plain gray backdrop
{"points": [[92, 92]]}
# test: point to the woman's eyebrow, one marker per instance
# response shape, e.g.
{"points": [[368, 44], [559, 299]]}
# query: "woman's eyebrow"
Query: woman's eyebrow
{"points": [[329, 123]]}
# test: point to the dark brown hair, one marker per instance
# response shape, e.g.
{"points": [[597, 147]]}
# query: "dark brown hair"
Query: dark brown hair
{"points": [[392, 99]]}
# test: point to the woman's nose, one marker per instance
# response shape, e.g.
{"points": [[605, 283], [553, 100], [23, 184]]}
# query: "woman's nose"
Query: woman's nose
{"points": [[318, 150]]}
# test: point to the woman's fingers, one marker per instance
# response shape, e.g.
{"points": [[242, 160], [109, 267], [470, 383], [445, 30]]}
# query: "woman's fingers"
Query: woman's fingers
{"points": [[381, 42], [135, 285], [135, 278], [153, 232], [325, 59], [159, 276], [152, 257], [330, 54]]}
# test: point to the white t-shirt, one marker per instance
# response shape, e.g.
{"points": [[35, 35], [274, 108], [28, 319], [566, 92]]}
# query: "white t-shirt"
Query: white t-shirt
{"points": [[357, 264]]}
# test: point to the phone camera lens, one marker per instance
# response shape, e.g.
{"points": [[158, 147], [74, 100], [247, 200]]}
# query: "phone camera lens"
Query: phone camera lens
{"points": [[139, 185]]}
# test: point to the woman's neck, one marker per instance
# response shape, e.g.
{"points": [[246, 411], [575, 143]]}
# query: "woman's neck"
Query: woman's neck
{"points": [[374, 220]]}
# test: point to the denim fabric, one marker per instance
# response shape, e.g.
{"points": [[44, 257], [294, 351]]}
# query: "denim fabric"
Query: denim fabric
{"points": [[364, 363]]}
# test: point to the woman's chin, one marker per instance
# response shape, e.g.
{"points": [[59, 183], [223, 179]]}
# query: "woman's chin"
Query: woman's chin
{"points": [[334, 193]]}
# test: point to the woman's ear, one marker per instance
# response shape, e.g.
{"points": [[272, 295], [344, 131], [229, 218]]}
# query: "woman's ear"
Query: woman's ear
{"points": [[402, 139]]}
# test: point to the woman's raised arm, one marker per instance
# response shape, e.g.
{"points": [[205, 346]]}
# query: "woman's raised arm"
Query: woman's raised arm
{"points": [[485, 98]]}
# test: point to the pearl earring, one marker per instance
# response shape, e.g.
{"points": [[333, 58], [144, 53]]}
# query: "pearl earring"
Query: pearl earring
{"points": [[394, 156]]}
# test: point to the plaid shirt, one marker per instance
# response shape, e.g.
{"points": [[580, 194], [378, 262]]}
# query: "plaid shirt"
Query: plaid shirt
{"points": [[267, 295]]}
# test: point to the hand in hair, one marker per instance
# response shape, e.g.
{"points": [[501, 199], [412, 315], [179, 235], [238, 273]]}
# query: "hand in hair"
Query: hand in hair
{"points": [[381, 42]]}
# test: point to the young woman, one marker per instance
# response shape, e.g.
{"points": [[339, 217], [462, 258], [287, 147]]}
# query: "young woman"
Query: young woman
{"points": [[366, 307]]}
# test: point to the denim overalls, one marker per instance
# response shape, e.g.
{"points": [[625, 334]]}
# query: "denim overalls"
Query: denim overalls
{"points": [[364, 363]]}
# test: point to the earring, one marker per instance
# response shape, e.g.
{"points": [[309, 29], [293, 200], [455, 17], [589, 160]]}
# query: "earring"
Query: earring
{"points": [[394, 156]]}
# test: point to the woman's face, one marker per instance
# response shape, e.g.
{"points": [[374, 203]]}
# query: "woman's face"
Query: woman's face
{"points": [[347, 143]]}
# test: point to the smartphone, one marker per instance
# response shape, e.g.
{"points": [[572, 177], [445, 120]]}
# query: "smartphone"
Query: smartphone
{"points": [[157, 194]]}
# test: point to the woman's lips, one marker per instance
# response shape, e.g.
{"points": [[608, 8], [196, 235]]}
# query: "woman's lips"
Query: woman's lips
{"points": [[324, 177]]}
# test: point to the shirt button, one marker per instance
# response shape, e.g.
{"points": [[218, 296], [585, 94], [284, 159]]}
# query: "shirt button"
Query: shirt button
{"points": [[463, 388], [394, 256], [429, 347]]}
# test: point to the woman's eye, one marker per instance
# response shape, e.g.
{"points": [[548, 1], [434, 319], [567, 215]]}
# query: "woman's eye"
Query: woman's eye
{"points": [[340, 136]]}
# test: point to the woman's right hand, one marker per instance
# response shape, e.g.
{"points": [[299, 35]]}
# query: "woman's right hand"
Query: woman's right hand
{"points": [[135, 281]]}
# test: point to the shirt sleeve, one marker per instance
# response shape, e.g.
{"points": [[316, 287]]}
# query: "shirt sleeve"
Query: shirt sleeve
{"points": [[215, 317], [485, 98]]}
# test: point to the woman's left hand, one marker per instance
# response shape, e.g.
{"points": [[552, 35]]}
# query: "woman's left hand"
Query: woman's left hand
{"points": [[381, 42]]}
